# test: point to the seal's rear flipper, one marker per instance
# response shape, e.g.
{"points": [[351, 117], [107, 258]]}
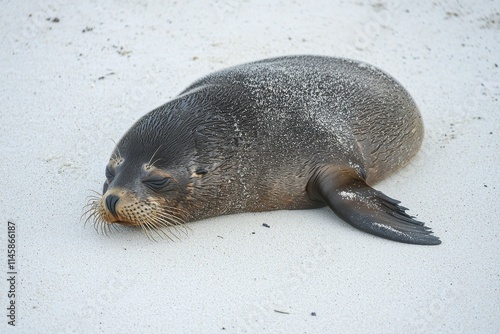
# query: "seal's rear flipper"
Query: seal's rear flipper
{"points": [[368, 209]]}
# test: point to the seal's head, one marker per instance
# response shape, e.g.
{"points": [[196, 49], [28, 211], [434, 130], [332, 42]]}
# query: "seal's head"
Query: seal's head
{"points": [[149, 178]]}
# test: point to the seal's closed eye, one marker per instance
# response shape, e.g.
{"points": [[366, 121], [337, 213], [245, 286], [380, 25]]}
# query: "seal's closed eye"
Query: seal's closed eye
{"points": [[109, 173], [157, 183]]}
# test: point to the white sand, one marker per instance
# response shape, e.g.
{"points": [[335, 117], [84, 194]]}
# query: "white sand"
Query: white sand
{"points": [[66, 94]]}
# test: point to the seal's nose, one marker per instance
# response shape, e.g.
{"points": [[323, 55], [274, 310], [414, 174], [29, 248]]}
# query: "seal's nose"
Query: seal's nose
{"points": [[111, 201]]}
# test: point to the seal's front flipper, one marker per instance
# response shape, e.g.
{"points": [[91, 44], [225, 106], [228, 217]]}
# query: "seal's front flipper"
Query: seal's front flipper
{"points": [[368, 209]]}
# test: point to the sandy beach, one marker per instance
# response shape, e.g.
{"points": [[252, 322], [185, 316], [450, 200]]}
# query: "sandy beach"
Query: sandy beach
{"points": [[77, 75]]}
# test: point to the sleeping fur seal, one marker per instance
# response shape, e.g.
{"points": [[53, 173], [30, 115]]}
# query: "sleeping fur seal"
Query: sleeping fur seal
{"points": [[293, 132]]}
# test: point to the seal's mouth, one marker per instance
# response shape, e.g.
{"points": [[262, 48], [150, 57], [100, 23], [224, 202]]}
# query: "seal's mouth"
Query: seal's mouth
{"points": [[156, 220], [123, 223]]}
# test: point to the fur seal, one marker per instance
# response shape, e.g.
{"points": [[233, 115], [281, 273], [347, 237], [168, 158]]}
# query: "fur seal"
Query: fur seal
{"points": [[292, 132]]}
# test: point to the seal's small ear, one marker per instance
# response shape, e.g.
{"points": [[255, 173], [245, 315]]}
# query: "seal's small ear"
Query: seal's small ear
{"points": [[200, 171], [368, 209]]}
